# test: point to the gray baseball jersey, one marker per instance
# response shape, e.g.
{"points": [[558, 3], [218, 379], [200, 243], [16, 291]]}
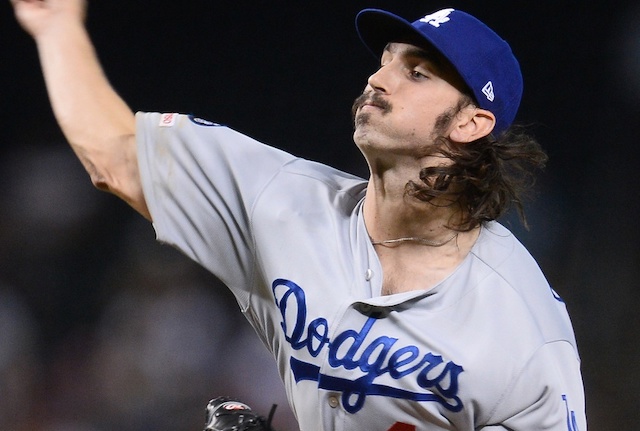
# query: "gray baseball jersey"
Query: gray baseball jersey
{"points": [[490, 347]]}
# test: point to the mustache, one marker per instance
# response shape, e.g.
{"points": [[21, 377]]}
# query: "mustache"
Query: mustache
{"points": [[371, 98]]}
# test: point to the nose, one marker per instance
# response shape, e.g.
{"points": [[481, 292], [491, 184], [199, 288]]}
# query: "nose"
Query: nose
{"points": [[381, 80]]}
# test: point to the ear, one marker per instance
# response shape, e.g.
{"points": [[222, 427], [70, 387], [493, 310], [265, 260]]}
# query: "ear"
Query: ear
{"points": [[472, 123]]}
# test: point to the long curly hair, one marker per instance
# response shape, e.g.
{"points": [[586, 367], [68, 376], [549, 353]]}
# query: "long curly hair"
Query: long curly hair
{"points": [[488, 176]]}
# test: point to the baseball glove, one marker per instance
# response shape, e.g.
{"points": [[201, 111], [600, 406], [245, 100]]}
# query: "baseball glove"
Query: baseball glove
{"points": [[228, 414]]}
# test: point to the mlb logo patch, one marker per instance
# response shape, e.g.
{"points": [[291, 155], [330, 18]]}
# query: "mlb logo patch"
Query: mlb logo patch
{"points": [[168, 120]]}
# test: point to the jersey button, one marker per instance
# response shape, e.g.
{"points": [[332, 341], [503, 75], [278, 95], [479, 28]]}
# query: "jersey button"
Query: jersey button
{"points": [[368, 275], [333, 402]]}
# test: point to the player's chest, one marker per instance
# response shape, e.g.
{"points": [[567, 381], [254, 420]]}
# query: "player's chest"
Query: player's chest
{"points": [[432, 357], [399, 279], [360, 349]]}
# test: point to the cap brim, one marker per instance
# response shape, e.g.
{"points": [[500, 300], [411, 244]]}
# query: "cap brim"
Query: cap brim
{"points": [[377, 28]]}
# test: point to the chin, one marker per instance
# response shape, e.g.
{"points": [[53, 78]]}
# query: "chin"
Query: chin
{"points": [[361, 119], [361, 135]]}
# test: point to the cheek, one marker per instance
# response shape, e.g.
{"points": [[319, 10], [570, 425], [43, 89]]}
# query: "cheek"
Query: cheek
{"points": [[421, 120], [424, 113]]}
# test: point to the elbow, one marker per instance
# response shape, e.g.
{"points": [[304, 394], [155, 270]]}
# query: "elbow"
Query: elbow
{"points": [[113, 168], [121, 179], [108, 183], [109, 164], [98, 178], [100, 183]]}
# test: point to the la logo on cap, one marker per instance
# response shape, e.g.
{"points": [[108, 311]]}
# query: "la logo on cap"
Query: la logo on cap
{"points": [[437, 18]]}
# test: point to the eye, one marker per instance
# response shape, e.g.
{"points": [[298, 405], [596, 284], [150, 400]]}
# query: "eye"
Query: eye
{"points": [[416, 74]]}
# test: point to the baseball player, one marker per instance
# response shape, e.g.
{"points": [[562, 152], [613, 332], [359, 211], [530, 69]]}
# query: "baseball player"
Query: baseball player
{"points": [[396, 303]]}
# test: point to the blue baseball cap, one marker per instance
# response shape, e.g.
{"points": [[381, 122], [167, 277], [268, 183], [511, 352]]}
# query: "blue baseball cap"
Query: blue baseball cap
{"points": [[482, 58]]}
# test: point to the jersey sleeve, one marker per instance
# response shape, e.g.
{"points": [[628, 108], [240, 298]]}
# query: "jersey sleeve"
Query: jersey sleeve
{"points": [[200, 181], [548, 394]]}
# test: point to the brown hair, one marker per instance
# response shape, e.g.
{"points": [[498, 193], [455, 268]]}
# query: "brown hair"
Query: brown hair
{"points": [[487, 177]]}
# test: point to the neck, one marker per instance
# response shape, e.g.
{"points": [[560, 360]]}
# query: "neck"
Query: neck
{"points": [[391, 215]]}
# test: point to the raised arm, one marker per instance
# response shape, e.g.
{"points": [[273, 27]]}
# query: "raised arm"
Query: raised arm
{"points": [[98, 124]]}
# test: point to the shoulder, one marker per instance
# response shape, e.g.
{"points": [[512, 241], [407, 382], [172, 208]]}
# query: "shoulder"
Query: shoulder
{"points": [[308, 194], [505, 256], [516, 285], [329, 177]]}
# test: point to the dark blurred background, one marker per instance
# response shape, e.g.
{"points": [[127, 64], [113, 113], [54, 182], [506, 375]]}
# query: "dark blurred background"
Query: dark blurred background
{"points": [[102, 328]]}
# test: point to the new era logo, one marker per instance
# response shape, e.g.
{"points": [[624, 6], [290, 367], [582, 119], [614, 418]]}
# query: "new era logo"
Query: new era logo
{"points": [[487, 90], [437, 18]]}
